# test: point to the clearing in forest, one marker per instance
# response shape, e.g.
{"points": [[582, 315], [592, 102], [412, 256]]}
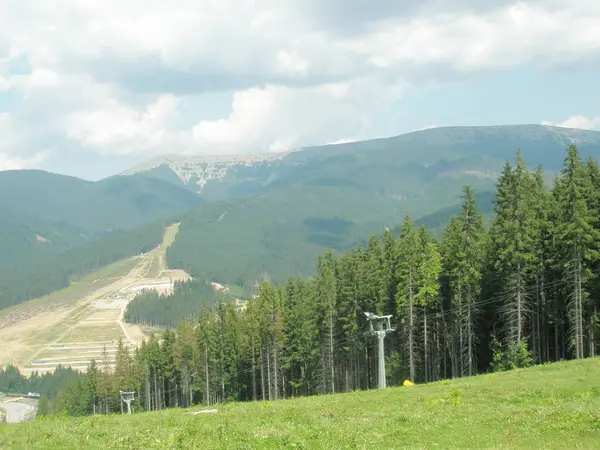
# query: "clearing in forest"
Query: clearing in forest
{"points": [[71, 327], [554, 406]]}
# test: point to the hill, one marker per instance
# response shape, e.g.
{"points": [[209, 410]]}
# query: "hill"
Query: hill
{"points": [[550, 406], [48, 272], [335, 196], [113, 204], [446, 152], [26, 238], [268, 216], [44, 215]]}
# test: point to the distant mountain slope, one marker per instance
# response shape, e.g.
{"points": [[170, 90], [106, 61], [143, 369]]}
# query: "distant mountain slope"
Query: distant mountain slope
{"points": [[98, 207], [437, 152], [24, 238], [44, 214], [252, 217], [302, 202], [46, 273]]}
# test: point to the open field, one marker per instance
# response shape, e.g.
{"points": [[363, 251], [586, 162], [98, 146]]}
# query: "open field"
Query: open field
{"points": [[555, 406], [72, 326]]}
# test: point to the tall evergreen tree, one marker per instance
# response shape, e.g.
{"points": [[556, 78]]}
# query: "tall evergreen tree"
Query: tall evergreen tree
{"points": [[465, 247], [513, 236], [577, 242], [326, 294], [428, 297], [410, 259], [541, 264]]}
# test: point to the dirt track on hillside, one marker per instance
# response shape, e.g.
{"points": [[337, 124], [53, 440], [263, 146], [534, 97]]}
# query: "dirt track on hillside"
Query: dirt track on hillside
{"points": [[56, 328]]}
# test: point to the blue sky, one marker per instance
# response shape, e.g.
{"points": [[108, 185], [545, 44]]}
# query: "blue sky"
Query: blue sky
{"points": [[91, 88]]}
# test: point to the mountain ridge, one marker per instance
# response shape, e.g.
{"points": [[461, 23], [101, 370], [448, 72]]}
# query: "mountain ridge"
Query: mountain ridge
{"points": [[196, 173], [251, 215]]}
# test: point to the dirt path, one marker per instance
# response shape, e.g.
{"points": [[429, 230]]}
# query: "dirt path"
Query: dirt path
{"points": [[44, 335], [15, 411], [84, 309]]}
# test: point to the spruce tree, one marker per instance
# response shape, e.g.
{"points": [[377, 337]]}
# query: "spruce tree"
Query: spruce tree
{"points": [[513, 237], [428, 298], [464, 250], [577, 242], [409, 257], [326, 298]]}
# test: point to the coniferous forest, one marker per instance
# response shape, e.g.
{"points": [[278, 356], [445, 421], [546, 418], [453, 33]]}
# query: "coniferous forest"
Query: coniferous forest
{"points": [[523, 290]]}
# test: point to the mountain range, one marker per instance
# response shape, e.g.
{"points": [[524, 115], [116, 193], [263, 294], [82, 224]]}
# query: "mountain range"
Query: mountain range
{"points": [[438, 152], [248, 217]]}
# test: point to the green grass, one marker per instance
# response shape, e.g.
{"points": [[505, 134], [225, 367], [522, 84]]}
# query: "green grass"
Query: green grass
{"points": [[551, 406], [236, 291]]}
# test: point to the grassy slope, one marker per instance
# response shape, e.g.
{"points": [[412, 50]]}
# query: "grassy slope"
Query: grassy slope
{"points": [[551, 406]]}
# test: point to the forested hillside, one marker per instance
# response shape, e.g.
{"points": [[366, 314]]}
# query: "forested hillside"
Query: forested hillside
{"points": [[25, 238], [49, 224], [154, 309], [333, 196], [151, 308], [524, 291], [102, 207], [53, 272], [296, 204]]}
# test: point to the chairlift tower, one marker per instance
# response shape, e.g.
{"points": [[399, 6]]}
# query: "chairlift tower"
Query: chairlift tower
{"points": [[127, 397], [380, 329]]}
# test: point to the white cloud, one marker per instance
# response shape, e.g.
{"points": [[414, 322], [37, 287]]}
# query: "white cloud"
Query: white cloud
{"points": [[505, 37], [8, 162], [281, 38], [117, 128], [9, 144], [581, 122], [277, 118], [303, 71]]}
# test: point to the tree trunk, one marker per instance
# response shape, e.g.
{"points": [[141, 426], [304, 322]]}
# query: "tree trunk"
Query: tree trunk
{"points": [[331, 352], [275, 377], [148, 389], [519, 305], [156, 404], [411, 356], [545, 335], [269, 375], [470, 337], [262, 374], [253, 372], [425, 345], [580, 309], [591, 331], [207, 394]]}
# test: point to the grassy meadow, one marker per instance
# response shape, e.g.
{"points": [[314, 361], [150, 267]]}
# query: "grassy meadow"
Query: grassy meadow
{"points": [[551, 406]]}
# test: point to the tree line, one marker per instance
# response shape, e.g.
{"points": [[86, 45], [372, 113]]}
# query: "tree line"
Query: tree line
{"points": [[47, 384], [524, 290], [160, 310]]}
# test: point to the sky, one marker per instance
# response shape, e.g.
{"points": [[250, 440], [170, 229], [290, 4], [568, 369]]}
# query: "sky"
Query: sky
{"points": [[90, 88]]}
